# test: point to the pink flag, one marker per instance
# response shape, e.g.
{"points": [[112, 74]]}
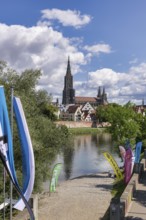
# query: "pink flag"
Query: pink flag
{"points": [[128, 165]]}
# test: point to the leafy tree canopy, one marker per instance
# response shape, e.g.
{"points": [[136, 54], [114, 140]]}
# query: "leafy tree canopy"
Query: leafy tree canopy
{"points": [[47, 138], [125, 123]]}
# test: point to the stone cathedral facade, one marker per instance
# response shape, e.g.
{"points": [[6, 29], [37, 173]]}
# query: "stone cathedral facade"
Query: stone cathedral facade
{"points": [[69, 93]]}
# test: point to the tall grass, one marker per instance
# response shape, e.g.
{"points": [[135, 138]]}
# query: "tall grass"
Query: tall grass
{"points": [[76, 131]]}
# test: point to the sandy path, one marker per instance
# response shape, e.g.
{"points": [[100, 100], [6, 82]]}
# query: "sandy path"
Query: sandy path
{"points": [[84, 198]]}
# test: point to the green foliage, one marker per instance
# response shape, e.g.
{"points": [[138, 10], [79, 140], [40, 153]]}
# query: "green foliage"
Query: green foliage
{"points": [[49, 110], [101, 113], [129, 104], [76, 131], [44, 104], [144, 143], [47, 138], [125, 123]]}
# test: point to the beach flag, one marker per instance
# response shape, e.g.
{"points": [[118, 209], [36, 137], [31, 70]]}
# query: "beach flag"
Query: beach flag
{"points": [[28, 164], [128, 165], [55, 175], [6, 149], [114, 165], [138, 151]]}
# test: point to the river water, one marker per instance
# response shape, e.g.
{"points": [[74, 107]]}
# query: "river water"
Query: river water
{"points": [[86, 156]]}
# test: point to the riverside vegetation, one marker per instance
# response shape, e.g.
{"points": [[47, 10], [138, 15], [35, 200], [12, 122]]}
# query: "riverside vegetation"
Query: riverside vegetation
{"points": [[125, 123], [77, 131], [47, 138]]}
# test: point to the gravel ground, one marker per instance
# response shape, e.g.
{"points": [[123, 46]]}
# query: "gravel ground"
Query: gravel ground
{"points": [[82, 198]]}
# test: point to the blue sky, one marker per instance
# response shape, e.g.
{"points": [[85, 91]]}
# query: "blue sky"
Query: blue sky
{"points": [[105, 40]]}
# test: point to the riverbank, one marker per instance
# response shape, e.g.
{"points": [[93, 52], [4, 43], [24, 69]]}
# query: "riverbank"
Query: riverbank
{"points": [[75, 124], [81, 127], [81, 124], [78, 131], [82, 198]]}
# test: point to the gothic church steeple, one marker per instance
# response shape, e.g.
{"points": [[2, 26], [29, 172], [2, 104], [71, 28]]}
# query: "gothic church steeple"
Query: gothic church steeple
{"points": [[99, 92], [68, 71], [68, 92], [101, 96]]}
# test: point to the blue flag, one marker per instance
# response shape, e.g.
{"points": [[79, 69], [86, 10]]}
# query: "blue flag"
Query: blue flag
{"points": [[138, 152], [6, 149], [28, 163]]}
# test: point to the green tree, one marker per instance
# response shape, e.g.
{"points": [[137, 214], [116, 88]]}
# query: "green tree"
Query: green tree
{"points": [[123, 123], [101, 113], [47, 138], [44, 103]]}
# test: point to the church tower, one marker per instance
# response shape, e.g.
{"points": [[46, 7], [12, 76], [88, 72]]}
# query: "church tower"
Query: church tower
{"points": [[104, 96], [68, 92], [99, 92], [101, 97]]}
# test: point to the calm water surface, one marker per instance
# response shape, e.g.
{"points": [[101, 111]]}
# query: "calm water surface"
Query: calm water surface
{"points": [[86, 156]]}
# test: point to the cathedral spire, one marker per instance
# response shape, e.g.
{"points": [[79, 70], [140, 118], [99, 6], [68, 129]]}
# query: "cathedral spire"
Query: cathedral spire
{"points": [[99, 92], [68, 71], [68, 92], [103, 91]]}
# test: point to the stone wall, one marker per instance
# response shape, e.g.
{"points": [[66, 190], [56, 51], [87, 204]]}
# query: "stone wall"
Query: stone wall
{"points": [[75, 124], [119, 208]]}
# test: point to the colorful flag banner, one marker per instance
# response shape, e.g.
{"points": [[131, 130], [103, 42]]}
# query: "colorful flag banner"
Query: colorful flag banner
{"points": [[6, 148], [114, 165], [28, 165], [55, 175], [128, 166], [138, 151]]}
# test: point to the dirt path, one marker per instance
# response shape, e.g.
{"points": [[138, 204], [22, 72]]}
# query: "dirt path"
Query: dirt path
{"points": [[84, 198]]}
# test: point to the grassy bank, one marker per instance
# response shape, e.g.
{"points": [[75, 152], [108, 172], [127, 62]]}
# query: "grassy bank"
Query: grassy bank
{"points": [[86, 130]]}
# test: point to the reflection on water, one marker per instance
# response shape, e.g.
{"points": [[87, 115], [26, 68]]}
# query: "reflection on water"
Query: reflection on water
{"points": [[86, 156], [68, 157]]}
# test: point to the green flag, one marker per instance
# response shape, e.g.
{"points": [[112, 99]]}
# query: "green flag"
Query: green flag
{"points": [[55, 174]]}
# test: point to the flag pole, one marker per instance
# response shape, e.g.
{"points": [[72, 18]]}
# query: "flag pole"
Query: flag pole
{"points": [[4, 179], [11, 185]]}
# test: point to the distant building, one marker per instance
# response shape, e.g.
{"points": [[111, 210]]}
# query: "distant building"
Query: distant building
{"points": [[100, 99], [78, 113], [69, 93], [140, 108], [73, 113], [88, 112]]}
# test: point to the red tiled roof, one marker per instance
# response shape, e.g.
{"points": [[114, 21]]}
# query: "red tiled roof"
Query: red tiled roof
{"points": [[72, 108], [85, 99]]}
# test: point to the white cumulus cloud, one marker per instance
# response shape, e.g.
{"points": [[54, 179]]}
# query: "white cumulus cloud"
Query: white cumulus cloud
{"points": [[65, 17], [43, 48], [98, 48], [120, 86]]}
